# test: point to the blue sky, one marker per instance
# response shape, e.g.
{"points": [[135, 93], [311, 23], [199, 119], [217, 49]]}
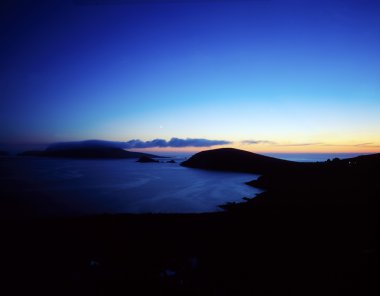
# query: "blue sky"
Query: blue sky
{"points": [[277, 71]]}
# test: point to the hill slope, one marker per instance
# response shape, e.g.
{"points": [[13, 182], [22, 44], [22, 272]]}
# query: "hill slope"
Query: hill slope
{"points": [[230, 159]]}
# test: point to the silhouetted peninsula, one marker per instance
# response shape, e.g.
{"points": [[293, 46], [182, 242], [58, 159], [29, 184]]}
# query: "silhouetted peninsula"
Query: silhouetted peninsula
{"points": [[338, 181], [230, 159], [3, 153]]}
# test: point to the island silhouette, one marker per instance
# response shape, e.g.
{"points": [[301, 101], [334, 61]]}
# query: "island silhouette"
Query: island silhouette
{"points": [[230, 159], [145, 159], [88, 151]]}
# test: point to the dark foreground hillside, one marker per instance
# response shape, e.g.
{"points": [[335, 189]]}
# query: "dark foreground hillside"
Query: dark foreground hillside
{"points": [[271, 251], [285, 242]]}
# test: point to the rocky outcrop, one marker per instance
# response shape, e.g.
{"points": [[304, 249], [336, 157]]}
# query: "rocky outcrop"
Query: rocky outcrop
{"points": [[145, 159]]}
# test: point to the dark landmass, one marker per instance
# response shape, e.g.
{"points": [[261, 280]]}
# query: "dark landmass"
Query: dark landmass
{"points": [[229, 159], [352, 181], [85, 144], [314, 231], [3, 153], [33, 153], [145, 159], [87, 152], [346, 181], [269, 251]]}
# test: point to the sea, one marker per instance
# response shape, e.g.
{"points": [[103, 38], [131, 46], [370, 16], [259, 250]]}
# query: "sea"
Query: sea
{"points": [[44, 187]]}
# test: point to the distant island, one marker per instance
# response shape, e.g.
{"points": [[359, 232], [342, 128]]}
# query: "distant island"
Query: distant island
{"points": [[144, 159], [98, 151], [230, 159]]}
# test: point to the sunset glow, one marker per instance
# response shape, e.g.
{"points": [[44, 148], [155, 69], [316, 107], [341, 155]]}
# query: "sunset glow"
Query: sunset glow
{"points": [[267, 76]]}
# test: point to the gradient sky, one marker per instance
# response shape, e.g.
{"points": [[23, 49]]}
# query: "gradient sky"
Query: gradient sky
{"points": [[267, 75]]}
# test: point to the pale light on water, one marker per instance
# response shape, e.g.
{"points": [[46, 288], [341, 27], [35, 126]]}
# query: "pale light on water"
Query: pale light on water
{"points": [[46, 186], [311, 157], [68, 186]]}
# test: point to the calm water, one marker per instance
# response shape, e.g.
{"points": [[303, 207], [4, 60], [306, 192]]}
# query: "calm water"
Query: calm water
{"points": [[44, 187], [301, 157], [312, 157], [41, 186]]}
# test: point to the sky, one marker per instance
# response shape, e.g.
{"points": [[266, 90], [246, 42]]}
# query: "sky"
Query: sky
{"points": [[260, 75]]}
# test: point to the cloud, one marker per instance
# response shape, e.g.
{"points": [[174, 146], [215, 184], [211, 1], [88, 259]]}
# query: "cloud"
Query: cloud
{"points": [[301, 144], [173, 142], [123, 2], [370, 145], [136, 143], [255, 142], [354, 145]]}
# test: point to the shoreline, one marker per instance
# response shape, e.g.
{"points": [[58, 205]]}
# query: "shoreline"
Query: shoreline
{"points": [[314, 231]]}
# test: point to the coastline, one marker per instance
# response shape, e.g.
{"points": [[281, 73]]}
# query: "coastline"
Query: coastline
{"points": [[315, 230]]}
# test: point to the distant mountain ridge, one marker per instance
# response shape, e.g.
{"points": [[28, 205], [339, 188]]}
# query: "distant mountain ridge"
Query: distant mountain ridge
{"points": [[84, 144], [86, 149]]}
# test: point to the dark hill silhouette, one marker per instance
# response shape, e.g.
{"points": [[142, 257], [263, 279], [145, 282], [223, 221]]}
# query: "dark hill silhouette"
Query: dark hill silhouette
{"points": [[87, 152], [348, 181], [230, 159], [84, 144], [352, 181], [364, 161]]}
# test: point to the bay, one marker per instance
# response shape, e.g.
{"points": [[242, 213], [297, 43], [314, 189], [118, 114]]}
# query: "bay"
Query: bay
{"points": [[65, 187]]}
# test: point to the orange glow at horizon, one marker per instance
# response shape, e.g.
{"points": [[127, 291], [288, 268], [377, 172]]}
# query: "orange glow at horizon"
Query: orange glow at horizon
{"points": [[269, 148]]}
